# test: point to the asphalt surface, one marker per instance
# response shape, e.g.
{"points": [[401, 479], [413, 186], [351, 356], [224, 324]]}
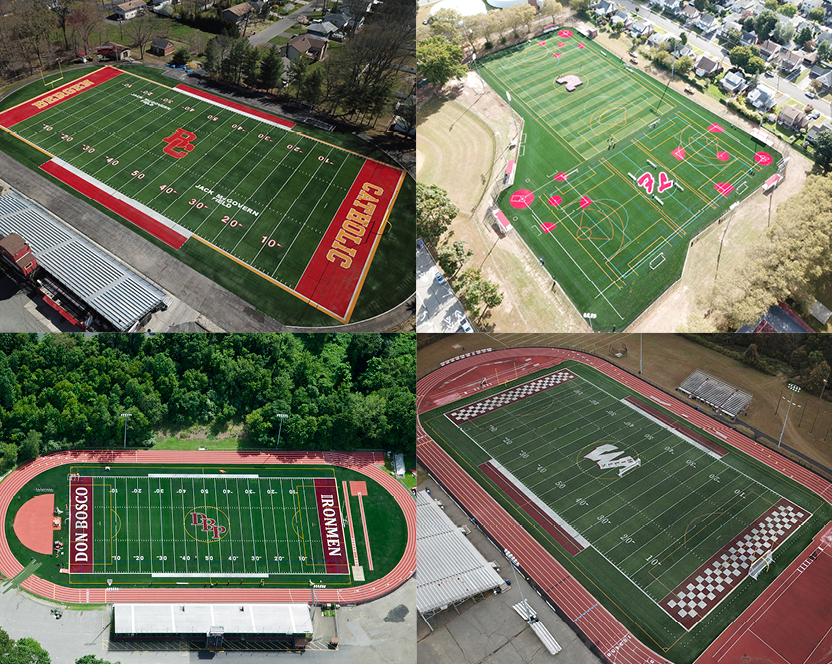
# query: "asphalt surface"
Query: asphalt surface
{"points": [[490, 631], [439, 310], [380, 632], [278, 27]]}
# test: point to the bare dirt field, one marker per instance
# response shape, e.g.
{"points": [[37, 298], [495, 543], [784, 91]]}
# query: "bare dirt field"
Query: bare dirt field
{"points": [[462, 147], [667, 360]]}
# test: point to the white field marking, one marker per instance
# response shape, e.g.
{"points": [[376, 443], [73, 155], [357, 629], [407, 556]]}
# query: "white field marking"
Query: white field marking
{"points": [[286, 524], [273, 510], [305, 221], [673, 432], [540, 504], [206, 476], [218, 575], [269, 204], [233, 110], [172, 498], [119, 196]]}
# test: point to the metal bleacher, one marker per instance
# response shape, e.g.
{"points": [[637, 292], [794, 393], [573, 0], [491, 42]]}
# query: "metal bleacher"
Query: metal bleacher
{"points": [[722, 396]]}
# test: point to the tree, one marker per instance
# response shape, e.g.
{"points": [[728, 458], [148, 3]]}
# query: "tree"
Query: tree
{"points": [[683, 38], [551, 7], [517, 16], [434, 212], [313, 87], [447, 23], [740, 55], [92, 659], [142, 30], [684, 64], [771, 4], [788, 10], [755, 65], [27, 651], [249, 70], [733, 35], [751, 355], [491, 297], [803, 36], [438, 60], [271, 70], [814, 381], [824, 50], [748, 24], [817, 14], [9, 455], [580, 6], [83, 21], [823, 150], [297, 72], [452, 257], [180, 56], [783, 32], [30, 447], [765, 23], [212, 57]]}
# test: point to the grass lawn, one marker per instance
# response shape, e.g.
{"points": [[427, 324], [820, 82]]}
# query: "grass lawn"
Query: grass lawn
{"points": [[612, 223]]}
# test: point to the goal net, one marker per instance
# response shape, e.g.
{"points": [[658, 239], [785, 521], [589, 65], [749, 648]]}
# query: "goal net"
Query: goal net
{"points": [[760, 565]]}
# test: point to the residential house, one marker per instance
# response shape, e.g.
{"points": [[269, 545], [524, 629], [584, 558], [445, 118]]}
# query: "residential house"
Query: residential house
{"points": [[623, 17], [825, 81], [734, 83], [768, 49], [728, 25], [809, 59], [762, 98], [605, 8], [323, 30], [345, 21], [237, 13], [814, 27], [793, 118], [130, 9], [748, 38], [690, 13], [741, 6], [161, 46], [707, 23], [808, 5], [683, 49], [706, 67], [671, 6], [817, 71], [790, 61], [657, 39], [642, 28], [310, 47], [158, 5], [815, 131]]}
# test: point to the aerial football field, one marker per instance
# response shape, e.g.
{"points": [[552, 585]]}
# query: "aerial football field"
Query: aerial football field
{"points": [[673, 530], [616, 174], [279, 210]]}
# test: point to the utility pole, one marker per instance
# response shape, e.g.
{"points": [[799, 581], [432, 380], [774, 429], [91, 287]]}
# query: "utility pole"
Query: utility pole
{"points": [[819, 402]]}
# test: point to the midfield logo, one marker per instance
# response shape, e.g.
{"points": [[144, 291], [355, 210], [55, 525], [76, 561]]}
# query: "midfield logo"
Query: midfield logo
{"points": [[204, 528], [181, 138], [609, 456]]}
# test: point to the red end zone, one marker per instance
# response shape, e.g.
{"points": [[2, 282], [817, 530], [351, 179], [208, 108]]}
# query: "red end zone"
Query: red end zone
{"points": [[237, 107], [336, 272], [34, 106], [121, 208], [332, 533], [80, 525]]}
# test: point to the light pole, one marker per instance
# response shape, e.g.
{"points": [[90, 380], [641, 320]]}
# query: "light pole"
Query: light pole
{"points": [[281, 416], [125, 416], [590, 318], [640, 352], [819, 402], [508, 96], [513, 562], [794, 389]]}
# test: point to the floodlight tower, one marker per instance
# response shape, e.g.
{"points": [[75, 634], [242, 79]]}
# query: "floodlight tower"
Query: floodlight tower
{"points": [[794, 389]]}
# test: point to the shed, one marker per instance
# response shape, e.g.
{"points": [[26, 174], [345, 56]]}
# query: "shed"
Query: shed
{"points": [[161, 46]]}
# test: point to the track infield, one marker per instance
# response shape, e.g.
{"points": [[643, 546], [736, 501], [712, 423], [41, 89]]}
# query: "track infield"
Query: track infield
{"points": [[275, 527], [297, 212], [616, 174], [621, 490]]}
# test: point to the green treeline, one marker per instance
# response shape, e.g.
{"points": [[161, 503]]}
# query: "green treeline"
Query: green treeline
{"points": [[340, 391]]}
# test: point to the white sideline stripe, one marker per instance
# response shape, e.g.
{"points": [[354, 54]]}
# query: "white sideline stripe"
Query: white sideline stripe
{"points": [[233, 110], [206, 574], [121, 197], [697, 445], [543, 506], [224, 476]]}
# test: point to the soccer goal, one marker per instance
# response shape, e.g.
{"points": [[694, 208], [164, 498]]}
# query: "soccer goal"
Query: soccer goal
{"points": [[760, 565]]}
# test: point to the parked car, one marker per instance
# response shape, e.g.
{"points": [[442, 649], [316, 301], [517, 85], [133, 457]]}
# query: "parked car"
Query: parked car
{"points": [[811, 95], [440, 279], [465, 327]]}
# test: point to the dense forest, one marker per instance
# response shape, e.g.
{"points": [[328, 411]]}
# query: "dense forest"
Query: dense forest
{"points": [[340, 391]]}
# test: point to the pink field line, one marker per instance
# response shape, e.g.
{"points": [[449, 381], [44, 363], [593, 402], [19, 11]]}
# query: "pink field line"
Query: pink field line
{"points": [[366, 534], [349, 518]]}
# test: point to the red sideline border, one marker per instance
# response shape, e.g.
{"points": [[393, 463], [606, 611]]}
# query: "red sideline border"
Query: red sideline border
{"points": [[560, 588], [233, 104], [121, 208], [369, 464]]}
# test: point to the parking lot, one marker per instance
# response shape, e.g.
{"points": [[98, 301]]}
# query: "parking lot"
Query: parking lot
{"points": [[439, 310]]}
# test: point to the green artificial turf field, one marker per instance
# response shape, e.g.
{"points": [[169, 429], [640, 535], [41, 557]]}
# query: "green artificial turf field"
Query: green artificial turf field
{"points": [[254, 203], [615, 177], [237, 525], [638, 537]]}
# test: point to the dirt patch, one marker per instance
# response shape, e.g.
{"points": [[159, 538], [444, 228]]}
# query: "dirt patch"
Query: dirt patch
{"points": [[667, 360], [463, 147], [198, 432]]}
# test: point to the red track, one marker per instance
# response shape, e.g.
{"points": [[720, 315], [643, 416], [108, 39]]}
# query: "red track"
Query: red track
{"points": [[364, 463], [609, 635]]}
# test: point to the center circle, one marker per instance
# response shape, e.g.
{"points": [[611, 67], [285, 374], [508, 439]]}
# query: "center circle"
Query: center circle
{"points": [[207, 523]]}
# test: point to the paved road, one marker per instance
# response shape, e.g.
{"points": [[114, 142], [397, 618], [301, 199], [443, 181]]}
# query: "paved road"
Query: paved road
{"points": [[277, 28], [439, 310], [784, 85]]}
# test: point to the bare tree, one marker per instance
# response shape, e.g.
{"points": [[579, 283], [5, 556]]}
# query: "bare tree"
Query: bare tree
{"points": [[141, 30], [33, 29], [62, 11], [85, 18]]}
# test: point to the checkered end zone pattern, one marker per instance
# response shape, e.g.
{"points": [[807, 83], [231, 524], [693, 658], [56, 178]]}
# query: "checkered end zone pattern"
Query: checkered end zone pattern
{"points": [[478, 408], [692, 599]]}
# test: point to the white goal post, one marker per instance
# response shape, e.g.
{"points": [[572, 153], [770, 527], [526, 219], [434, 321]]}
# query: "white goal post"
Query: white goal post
{"points": [[760, 565]]}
